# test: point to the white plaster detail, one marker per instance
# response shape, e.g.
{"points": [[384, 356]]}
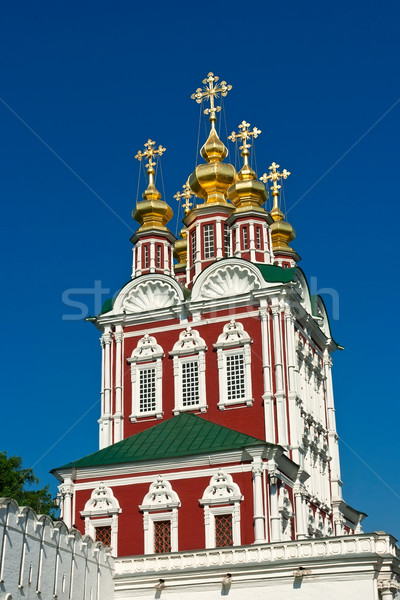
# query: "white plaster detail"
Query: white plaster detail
{"points": [[147, 293], [102, 510], [286, 511], [221, 497], [147, 356], [160, 497], [189, 354], [227, 278]]}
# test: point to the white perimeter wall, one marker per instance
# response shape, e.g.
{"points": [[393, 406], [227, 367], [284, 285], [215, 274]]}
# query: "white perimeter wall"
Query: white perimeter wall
{"points": [[42, 560]]}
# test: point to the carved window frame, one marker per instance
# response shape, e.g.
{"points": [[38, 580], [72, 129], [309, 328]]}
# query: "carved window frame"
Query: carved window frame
{"points": [[189, 347], [147, 355], [221, 497], [102, 510], [232, 341], [161, 503]]}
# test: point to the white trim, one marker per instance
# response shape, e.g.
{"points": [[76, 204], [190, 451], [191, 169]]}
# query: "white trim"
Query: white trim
{"points": [[101, 510], [146, 356], [160, 496], [233, 341], [190, 347]]}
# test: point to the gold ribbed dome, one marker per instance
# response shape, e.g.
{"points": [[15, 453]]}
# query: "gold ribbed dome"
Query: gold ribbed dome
{"points": [[152, 212], [247, 193], [180, 249], [211, 181]]}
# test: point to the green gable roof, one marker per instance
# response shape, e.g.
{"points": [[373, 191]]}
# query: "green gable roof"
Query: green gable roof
{"points": [[275, 274], [183, 435]]}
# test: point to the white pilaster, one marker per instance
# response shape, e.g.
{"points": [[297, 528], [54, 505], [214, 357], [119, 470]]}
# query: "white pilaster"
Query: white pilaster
{"points": [[258, 501], [118, 415], [275, 519], [269, 416], [279, 378], [219, 238]]}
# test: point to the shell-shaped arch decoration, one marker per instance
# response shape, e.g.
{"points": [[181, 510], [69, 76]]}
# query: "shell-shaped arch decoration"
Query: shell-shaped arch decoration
{"points": [[227, 280], [150, 295]]}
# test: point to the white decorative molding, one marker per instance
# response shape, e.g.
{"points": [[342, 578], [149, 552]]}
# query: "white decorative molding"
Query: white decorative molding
{"points": [[101, 510], [286, 511], [234, 341], [160, 497], [339, 549], [190, 348], [226, 279], [147, 356], [221, 497], [147, 293]]}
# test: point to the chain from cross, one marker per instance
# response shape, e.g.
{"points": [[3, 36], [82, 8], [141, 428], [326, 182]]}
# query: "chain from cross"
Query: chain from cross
{"points": [[244, 134], [211, 91], [149, 152], [186, 194], [275, 176]]}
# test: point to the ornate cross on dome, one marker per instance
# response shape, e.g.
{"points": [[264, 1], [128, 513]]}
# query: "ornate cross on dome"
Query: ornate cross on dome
{"points": [[149, 152], [244, 134], [274, 177], [186, 194], [211, 91]]}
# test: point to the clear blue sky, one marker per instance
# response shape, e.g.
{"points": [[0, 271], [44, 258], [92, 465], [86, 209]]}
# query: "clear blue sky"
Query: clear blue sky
{"points": [[94, 80]]}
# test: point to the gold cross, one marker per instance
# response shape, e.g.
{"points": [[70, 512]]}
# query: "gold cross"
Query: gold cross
{"points": [[244, 134], [274, 177], [187, 194], [210, 92], [149, 152]]}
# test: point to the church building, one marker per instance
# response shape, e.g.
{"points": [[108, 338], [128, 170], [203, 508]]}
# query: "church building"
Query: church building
{"points": [[217, 434]]}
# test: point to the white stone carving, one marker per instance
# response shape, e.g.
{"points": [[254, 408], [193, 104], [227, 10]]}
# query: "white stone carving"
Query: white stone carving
{"points": [[189, 348], [226, 280], [150, 295], [160, 495], [189, 342], [149, 352], [233, 335], [146, 349], [221, 489], [102, 501]]}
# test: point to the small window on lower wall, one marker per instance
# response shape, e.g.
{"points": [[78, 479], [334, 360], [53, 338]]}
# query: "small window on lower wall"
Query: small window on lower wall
{"points": [[103, 535], [223, 531], [162, 537]]}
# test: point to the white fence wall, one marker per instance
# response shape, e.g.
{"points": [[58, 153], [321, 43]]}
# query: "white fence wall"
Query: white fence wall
{"points": [[42, 559]]}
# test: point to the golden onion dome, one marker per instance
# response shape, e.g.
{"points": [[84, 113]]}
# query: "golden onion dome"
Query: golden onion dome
{"points": [[152, 212], [180, 249], [282, 232], [211, 180]]}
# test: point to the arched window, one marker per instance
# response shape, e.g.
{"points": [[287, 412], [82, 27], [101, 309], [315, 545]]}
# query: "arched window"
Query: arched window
{"points": [[189, 372], [234, 365], [101, 517], [160, 518], [146, 378], [221, 501]]}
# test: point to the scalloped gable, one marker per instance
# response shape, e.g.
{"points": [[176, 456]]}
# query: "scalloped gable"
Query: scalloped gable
{"points": [[183, 435]]}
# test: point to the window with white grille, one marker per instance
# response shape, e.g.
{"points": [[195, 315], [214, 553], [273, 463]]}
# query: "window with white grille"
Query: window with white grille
{"points": [[258, 238], [193, 247], [158, 256], [146, 256], [245, 238], [235, 376], [227, 241], [190, 383], [208, 232], [147, 390]]}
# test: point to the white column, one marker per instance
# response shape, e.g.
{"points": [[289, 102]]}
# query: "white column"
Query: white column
{"points": [[170, 267], [295, 419], [275, 518], [258, 501], [279, 378], [152, 257], [269, 416], [106, 418], [166, 251], [333, 439], [66, 490], [139, 250], [197, 263], [219, 238], [252, 243], [388, 588], [133, 261], [118, 415], [237, 239], [300, 516]]}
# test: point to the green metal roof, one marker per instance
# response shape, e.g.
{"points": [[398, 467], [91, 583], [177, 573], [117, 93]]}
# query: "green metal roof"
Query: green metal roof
{"points": [[183, 435], [275, 274]]}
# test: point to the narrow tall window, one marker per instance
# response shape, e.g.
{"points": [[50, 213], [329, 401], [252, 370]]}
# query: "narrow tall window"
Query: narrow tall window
{"points": [[245, 238], [162, 537], [147, 390], [223, 531], [103, 535], [158, 256], [235, 377], [190, 383], [193, 247], [146, 256], [227, 241], [208, 241], [258, 238]]}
